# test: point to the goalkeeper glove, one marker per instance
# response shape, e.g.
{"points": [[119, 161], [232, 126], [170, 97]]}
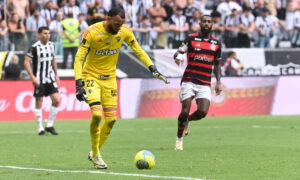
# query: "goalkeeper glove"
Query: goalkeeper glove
{"points": [[80, 91], [157, 74]]}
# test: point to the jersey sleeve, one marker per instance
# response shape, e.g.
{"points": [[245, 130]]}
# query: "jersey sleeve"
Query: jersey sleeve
{"points": [[134, 45], [81, 53], [31, 52]]}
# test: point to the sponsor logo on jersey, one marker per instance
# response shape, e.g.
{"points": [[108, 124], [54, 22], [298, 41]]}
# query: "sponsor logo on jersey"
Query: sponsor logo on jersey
{"points": [[198, 39], [100, 40], [106, 52], [100, 34], [202, 58]]}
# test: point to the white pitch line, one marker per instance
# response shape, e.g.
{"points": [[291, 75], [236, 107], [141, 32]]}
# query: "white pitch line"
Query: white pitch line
{"points": [[101, 172]]}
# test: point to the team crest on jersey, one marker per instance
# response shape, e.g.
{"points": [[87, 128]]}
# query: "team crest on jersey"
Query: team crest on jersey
{"points": [[113, 92], [118, 38], [213, 47]]}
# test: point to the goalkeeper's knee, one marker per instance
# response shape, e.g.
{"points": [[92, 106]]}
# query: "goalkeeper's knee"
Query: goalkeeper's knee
{"points": [[110, 118], [96, 113]]}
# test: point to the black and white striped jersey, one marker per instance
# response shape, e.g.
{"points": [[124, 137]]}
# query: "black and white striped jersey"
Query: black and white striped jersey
{"points": [[42, 57], [295, 36]]}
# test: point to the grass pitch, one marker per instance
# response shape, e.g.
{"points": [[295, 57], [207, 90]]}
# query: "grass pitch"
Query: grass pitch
{"points": [[227, 148]]}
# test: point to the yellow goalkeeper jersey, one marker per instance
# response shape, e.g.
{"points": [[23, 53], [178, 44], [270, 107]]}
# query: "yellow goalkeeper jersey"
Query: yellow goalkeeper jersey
{"points": [[102, 49]]}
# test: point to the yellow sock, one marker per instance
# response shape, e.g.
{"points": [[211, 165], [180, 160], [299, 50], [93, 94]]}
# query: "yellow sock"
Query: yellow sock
{"points": [[105, 129], [95, 129]]}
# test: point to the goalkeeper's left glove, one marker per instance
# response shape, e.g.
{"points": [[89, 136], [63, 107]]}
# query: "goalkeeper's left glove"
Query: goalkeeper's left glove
{"points": [[157, 74]]}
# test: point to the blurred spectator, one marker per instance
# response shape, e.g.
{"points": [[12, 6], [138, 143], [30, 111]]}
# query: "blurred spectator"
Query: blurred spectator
{"points": [[61, 3], [265, 27], [179, 27], [179, 3], [70, 38], [271, 5], [34, 4], [3, 35], [71, 7], [188, 10], [84, 5], [195, 21], [96, 13], [13, 70], [32, 25], [2, 15], [248, 3], [218, 27], [292, 7], [168, 6], [159, 34], [157, 13], [48, 13], [132, 8], [56, 33], [83, 24], [295, 36], [145, 5], [16, 33], [232, 65], [281, 9], [200, 5], [231, 24], [226, 7], [144, 33], [247, 26], [19, 7]]}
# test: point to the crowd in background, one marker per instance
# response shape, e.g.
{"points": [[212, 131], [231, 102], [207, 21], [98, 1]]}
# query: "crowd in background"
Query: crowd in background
{"points": [[157, 24]]}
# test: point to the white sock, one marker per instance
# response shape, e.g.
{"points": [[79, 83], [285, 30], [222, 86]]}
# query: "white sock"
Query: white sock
{"points": [[52, 114], [38, 116], [180, 139]]}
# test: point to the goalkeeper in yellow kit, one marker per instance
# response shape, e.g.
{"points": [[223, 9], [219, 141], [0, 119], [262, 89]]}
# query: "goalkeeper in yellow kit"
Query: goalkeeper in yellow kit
{"points": [[96, 80]]}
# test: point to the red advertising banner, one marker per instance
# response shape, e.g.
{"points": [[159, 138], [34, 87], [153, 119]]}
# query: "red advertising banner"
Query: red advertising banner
{"points": [[17, 102]]}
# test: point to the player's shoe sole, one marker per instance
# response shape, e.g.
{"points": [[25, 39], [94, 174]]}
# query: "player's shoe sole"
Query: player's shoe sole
{"points": [[178, 145], [97, 161]]}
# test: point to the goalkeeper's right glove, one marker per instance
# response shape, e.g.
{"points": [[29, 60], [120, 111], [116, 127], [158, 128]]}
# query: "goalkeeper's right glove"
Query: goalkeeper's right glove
{"points": [[158, 75], [80, 91]]}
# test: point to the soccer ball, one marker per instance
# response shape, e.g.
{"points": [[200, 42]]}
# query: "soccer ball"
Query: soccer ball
{"points": [[144, 159]]}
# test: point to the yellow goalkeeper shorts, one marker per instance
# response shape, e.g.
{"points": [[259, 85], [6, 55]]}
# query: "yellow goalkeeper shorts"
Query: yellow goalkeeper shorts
{"points": [[103, 91]]}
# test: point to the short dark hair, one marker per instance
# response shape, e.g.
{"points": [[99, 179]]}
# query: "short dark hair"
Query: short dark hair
{"points": [[41, 29], [205, 15], [231, 53], [216, 14], [117, 11]]}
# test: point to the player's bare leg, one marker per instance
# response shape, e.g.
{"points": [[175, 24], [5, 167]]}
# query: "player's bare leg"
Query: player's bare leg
{"points": [[182, 121], [200, 113]]}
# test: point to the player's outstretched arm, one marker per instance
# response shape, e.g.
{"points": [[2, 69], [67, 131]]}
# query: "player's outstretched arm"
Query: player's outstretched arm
{"points": [[158, 75]]}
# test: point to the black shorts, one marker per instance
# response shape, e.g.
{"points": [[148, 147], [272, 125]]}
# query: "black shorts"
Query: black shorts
{"points": [[45, 89]]}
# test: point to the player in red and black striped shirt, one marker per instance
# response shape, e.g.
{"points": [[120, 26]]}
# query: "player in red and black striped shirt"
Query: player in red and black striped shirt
{"points": [[204, 55]]}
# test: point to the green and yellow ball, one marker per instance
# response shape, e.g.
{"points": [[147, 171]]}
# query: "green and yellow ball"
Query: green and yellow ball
{"points": [[144, 159]]}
